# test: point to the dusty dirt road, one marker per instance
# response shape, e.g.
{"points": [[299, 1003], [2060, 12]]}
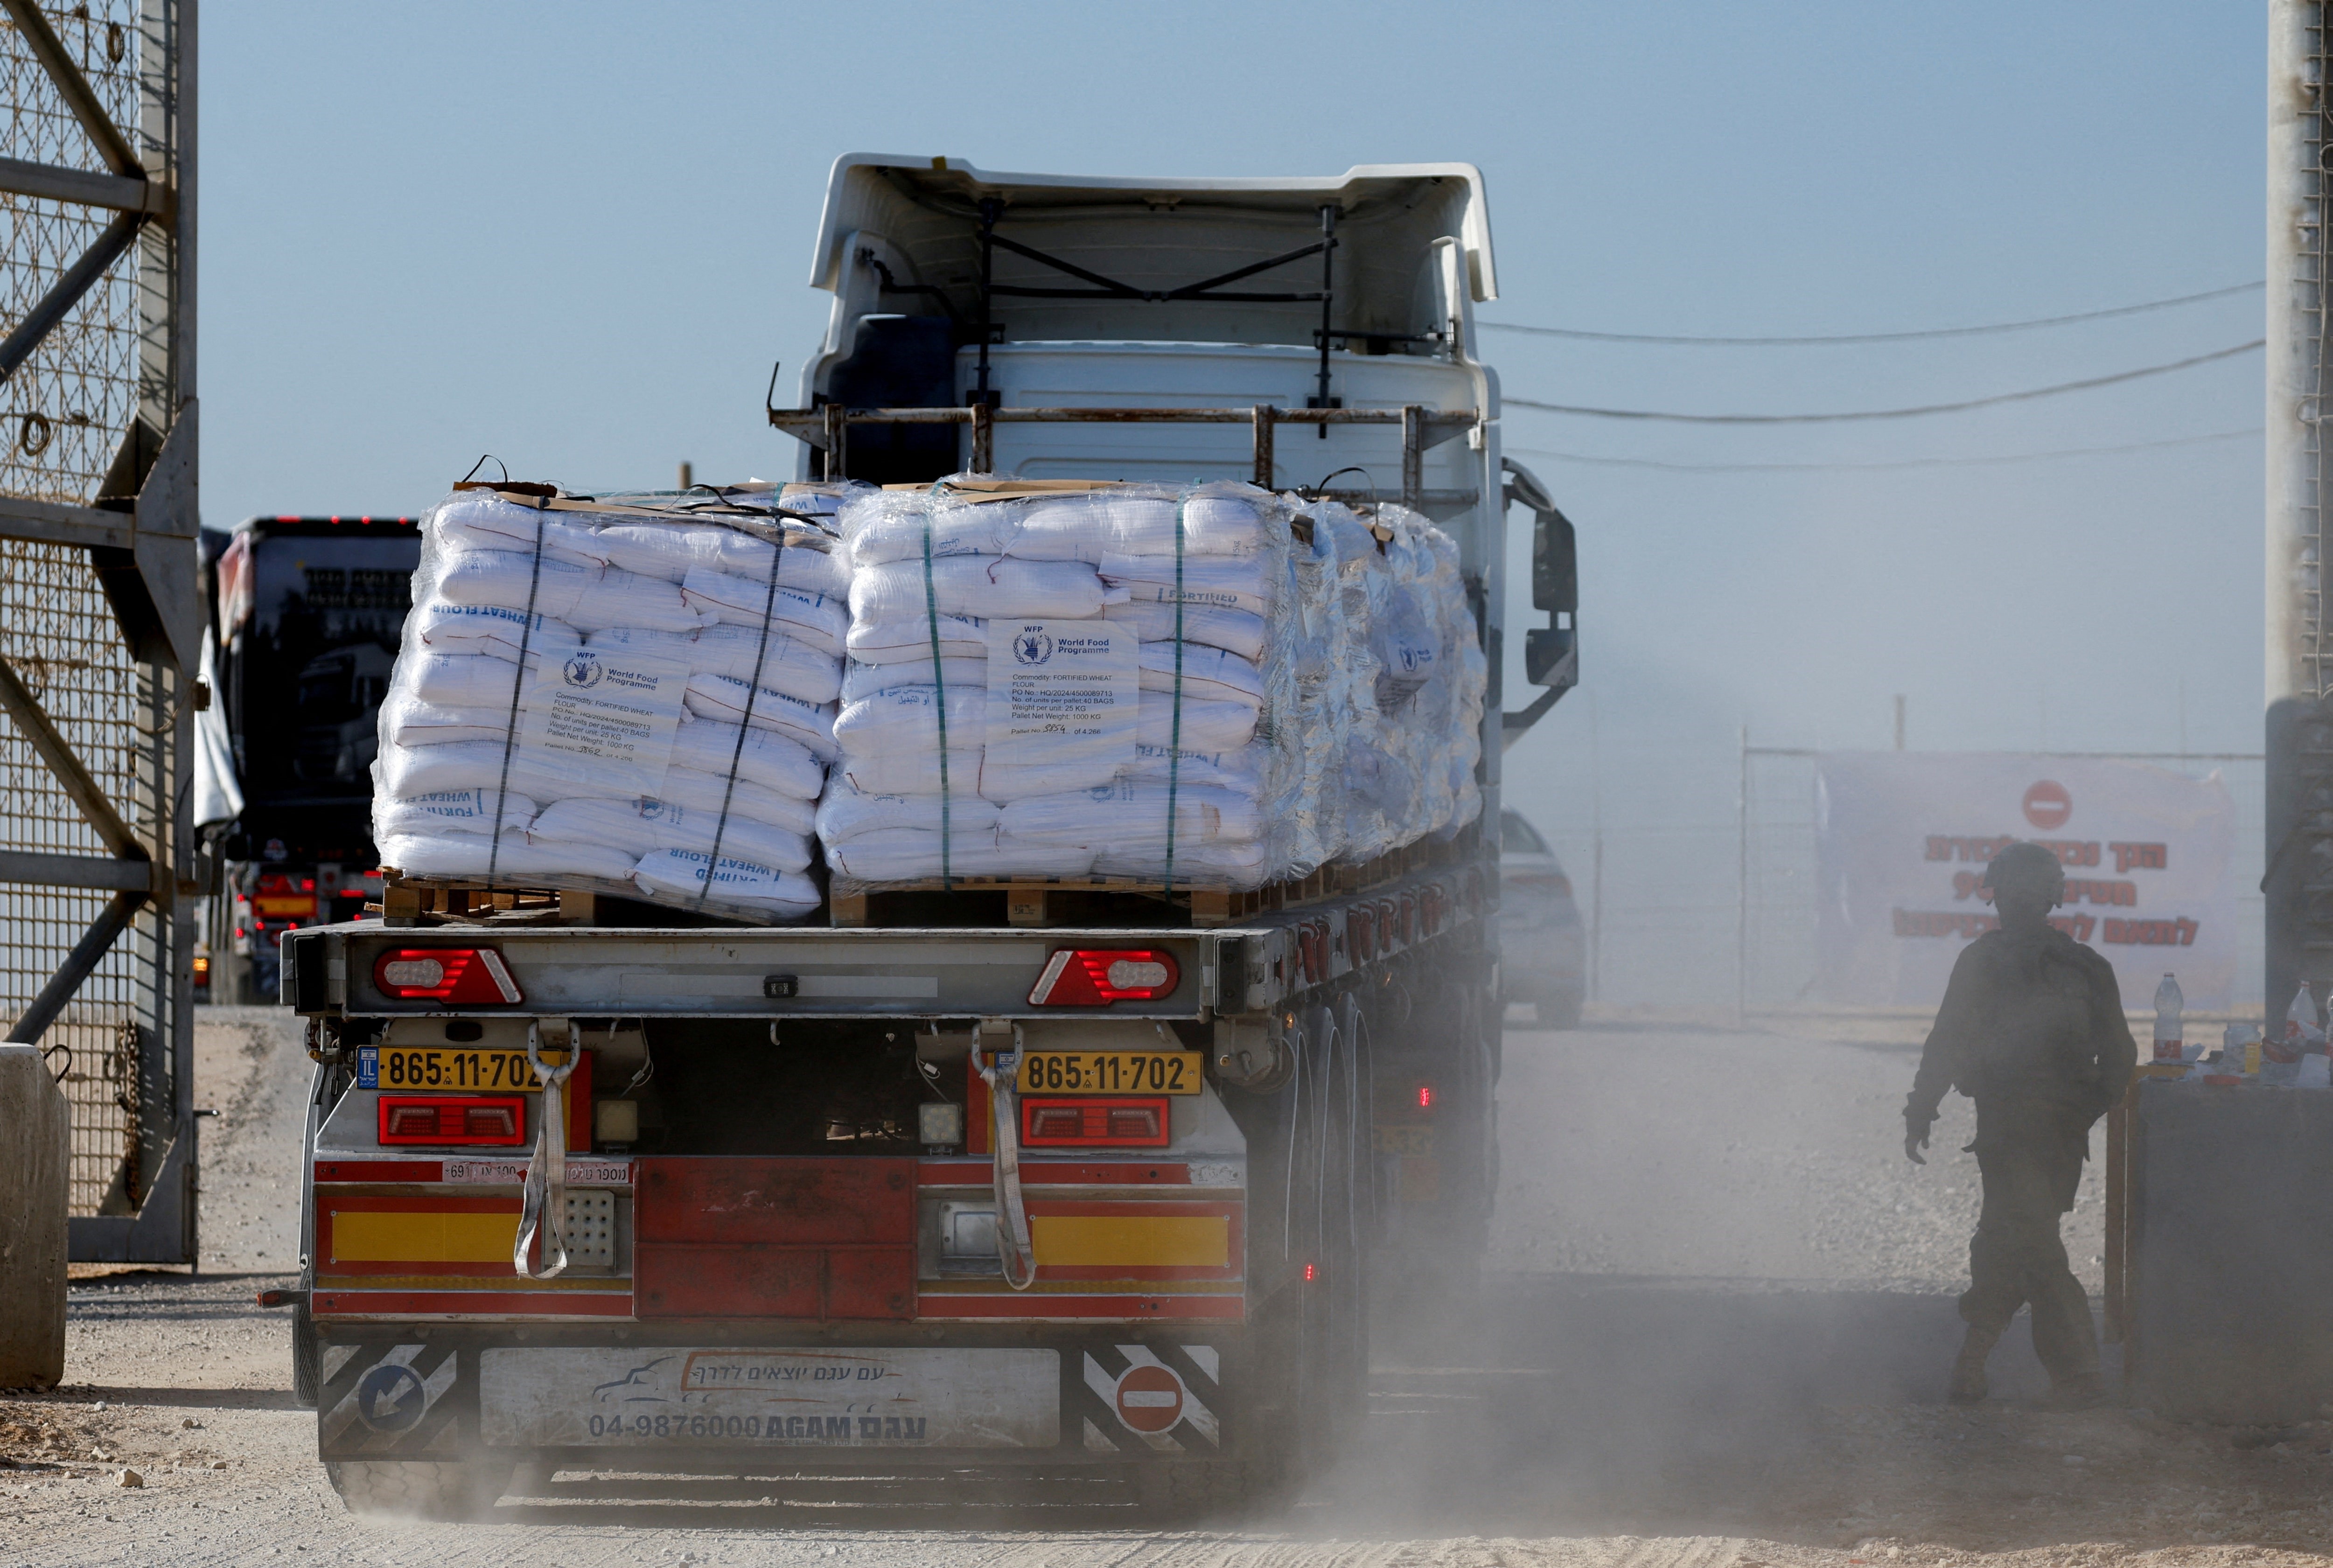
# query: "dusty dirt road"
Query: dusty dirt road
{"points": [[1716, 1340]]}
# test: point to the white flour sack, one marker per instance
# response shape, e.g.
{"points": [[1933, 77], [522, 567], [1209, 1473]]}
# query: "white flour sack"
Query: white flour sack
{"points": [[678, 877], [591, 691], [1064, 650]]}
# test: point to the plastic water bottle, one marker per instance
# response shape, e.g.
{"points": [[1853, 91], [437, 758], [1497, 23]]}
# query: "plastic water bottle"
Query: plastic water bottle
{"points": [[2238, 1051], [2282, 1053], [2168, 1038], [2300, 1030]]}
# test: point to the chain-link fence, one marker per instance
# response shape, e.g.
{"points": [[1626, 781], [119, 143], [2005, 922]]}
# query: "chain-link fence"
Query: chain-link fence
{"points": [[68, 404], [57, 632], [94, 233]]}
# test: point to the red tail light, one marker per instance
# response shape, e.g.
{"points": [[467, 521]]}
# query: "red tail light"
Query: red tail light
{"points": [[1133, 1123], [468, 976], [1426, 1096], [1095, 977], [480, 1119]]}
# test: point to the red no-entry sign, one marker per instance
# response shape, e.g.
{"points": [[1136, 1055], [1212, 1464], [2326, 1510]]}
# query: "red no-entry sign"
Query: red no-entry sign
{"points": [[2047, 805], [1149, 1399]]}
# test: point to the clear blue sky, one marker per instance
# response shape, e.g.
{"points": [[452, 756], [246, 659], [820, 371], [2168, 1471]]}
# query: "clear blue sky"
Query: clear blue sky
{"points": [[576, 236]]}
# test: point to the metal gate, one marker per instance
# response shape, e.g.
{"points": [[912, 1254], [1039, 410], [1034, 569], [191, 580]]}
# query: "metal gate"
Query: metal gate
{"points": [[100, 620]]}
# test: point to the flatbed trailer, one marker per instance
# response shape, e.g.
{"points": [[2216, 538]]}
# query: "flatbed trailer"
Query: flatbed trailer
{"points": [[1032, 1178]]}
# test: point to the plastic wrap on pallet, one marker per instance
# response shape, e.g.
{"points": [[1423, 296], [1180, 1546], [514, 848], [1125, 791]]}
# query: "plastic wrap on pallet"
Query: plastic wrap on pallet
{"points": [[602, 694], [1410, 678], [1454, 700], [1312, 830], [1017, 648]]}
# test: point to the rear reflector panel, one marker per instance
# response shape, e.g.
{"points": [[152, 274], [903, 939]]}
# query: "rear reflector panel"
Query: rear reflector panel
{"points": [[1097, 977], [465, 1120], [462, 976], [1132, 1122]]}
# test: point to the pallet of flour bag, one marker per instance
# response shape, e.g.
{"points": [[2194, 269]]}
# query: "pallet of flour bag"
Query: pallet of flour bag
{"points": [[630, 695], [1071, 679]]}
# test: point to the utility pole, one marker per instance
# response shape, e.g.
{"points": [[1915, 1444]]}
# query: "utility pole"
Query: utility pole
{"points": [[2299, 722], [1741, 889]]}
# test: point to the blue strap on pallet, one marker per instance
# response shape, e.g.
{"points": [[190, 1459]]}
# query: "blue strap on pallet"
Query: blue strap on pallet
{"points": [[753, 687]]}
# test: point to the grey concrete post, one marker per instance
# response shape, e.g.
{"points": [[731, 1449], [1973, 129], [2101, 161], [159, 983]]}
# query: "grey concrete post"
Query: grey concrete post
{"points": [[35, 1154]]}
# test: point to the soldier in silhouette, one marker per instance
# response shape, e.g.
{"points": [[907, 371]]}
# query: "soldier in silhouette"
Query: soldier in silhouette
{"points": [[2032, 1028]]}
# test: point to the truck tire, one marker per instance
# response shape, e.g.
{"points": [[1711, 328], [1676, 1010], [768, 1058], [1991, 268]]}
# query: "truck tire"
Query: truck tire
{"points": [[1193, 1491], [305, 1355], [418, 1488], [1328, 1153]]}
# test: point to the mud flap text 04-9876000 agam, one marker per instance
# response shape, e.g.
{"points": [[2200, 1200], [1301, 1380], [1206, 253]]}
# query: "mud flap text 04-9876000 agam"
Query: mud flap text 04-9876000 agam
{"points": [[819, 1397]]}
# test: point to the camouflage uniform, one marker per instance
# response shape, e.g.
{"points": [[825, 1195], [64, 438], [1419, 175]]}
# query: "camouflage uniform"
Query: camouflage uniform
{"points": [[2032, 1029]]}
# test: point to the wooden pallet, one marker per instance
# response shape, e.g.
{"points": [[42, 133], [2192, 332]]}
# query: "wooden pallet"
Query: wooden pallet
{"points": [[1020, 901], [1030, 901], [1044, 901], [410, 901]]}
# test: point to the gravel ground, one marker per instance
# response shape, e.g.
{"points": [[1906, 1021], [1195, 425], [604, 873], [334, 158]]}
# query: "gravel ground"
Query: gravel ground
{"points": [[1766, 1156], [1717, 1342]]}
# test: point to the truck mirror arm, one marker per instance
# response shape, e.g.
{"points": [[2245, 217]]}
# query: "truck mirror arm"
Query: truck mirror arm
{"points": [[1550, 653]]}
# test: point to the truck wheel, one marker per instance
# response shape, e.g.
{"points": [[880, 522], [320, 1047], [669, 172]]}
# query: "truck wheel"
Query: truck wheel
{"points": [[418, 1488], [305, 1355], [1189, 1491], [1332, 1361]]}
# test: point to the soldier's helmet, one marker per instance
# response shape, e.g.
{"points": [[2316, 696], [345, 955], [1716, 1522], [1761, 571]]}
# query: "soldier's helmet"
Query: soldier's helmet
{"points": [[2028, 866]]}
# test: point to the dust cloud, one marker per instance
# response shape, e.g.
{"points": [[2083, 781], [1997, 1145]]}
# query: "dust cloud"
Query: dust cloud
{"points": [[1719, 1308], [1713, 1333]]}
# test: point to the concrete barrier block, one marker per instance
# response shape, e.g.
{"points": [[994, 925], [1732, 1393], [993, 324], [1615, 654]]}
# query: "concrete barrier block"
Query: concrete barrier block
{"points": [[35, 1154]]}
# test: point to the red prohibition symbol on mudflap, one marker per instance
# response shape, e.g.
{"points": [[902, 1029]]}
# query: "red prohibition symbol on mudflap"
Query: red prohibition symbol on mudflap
{"points": [[1149, 1399]]}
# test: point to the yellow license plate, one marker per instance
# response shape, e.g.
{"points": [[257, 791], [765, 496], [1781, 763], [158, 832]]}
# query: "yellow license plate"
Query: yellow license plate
{"points": [[450, 1068], [1109, 1073]]}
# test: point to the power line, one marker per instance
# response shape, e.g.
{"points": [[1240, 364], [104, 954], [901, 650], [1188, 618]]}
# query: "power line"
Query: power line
{"points": [[2083, 386], [1867, 337], [1905, 462]]}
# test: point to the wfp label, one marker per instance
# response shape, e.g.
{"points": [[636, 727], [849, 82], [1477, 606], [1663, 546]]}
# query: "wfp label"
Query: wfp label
{"points": [[1063, 692], [608, 716]]}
